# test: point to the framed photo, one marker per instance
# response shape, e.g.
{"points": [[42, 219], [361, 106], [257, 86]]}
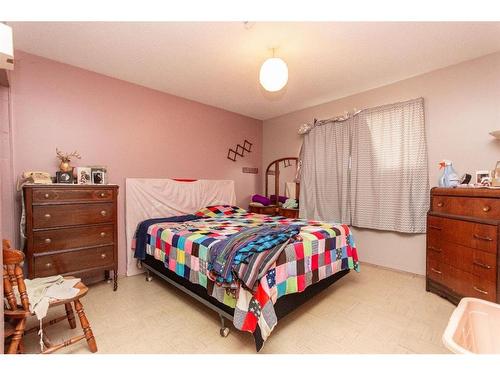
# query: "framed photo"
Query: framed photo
{"points": [[98, 176], [64, 177], [483, 178], [495, 180], [83, 175]]}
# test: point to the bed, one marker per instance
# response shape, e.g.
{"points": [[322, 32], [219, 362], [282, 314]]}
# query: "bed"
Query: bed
{"points": [[266, 284]]}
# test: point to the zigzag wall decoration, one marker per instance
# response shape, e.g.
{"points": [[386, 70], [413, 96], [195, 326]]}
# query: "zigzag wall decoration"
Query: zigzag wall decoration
{"points": [[240, 150]]}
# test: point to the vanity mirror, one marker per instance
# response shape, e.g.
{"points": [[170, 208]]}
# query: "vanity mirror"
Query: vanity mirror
{"points": [[281, 189]]}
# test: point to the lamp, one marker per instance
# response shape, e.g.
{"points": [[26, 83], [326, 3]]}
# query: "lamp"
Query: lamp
{"points": [[273, 74], [6, 47]]}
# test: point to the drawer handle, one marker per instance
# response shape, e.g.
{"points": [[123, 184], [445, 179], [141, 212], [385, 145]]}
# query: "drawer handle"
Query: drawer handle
{"points": [[48, 240], [440, 204], [484, 238], [435, 270], [486, 208], [103, 255], [48, 216], [434, 227], [48, 265], [46, 195], [480, 290], [103, 213], [103, 234], [434, 249], [102, 195], [482, 265]]}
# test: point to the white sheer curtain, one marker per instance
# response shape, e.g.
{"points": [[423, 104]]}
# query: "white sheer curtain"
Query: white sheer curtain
{"points": [[369, 170], [390, 184], [324, 179]]}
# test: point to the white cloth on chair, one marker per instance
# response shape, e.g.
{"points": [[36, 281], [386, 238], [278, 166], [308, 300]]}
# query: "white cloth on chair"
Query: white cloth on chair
{"points": [[44, 289]]}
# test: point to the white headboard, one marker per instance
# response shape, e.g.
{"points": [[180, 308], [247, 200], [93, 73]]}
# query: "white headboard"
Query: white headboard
{"points": [[148, 198]]}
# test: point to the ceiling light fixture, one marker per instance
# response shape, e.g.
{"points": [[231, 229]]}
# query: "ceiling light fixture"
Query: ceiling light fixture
{"points": [[273, 74], [6, 47]]}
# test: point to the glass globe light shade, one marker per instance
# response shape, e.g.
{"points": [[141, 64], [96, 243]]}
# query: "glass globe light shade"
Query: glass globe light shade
{"points": [[273, 74]]}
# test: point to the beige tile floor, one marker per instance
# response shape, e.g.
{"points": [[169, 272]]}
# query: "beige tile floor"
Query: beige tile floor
{"points": [[375, 311]]}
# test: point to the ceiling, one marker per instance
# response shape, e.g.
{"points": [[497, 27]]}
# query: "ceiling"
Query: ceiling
{"points": [[217, 63]]}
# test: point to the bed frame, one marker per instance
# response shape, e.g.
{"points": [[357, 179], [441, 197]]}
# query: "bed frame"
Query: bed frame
{"points": [[283, 306]]}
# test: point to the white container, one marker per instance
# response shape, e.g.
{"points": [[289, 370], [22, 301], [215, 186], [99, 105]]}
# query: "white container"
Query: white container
{"points": [[474, 328]]}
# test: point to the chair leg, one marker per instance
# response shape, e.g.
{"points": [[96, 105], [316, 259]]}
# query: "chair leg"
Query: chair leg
{"points": [[17, 338], [89, 336], [70, 315], [20, 349]]}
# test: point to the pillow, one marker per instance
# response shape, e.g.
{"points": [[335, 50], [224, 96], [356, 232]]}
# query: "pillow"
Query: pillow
{"points": [[265, 201], [222, 210]]}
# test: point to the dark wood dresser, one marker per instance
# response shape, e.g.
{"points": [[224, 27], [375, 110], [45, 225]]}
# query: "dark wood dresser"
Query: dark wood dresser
{"points": [[71, 230], [462, 243]]}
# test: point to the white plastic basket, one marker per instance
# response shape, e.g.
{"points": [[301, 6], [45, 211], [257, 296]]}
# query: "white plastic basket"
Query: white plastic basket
{"points": [[474, 328]]}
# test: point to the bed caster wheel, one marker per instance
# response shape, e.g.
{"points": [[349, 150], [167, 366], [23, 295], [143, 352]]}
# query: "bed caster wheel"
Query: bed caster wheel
{"points": [[224, 332], [149, 278]]}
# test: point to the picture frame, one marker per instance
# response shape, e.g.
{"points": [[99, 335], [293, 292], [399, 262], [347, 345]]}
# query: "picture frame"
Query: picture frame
{"points": [[83, 175], [64, 177], [98, 176], [483, 178], [495, 178]]}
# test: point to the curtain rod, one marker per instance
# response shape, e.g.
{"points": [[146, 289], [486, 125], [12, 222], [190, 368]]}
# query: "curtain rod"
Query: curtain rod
{"points": [[307, 127], [346, 116]]}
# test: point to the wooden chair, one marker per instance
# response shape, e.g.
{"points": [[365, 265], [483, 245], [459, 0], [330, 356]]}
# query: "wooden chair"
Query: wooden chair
{"points": [[15, 314]]}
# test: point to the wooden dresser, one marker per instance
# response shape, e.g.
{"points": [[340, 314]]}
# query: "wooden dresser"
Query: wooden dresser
{"points": [[71, 230], [462, 243]]}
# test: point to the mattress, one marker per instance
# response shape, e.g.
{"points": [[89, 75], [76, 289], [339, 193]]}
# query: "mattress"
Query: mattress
{"points": [[319, 251]]}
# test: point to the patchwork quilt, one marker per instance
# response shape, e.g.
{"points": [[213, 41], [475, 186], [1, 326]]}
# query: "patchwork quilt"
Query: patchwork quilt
{"points": [[314, 251]]}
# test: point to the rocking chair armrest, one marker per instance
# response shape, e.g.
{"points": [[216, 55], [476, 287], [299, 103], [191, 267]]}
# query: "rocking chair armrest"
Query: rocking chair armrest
{"points": [[12, 256], [16, 314]]}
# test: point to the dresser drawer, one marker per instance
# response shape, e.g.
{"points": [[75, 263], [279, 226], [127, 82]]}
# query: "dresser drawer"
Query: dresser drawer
{"points": [[71, 195], [71, 238], [459, 281], [436, 270], [465, 233], [458, 256], [484, 265], [463, 283], [481, 288], [435, 253], [487, 208], [72, 261], [451, 205], [72, 214], [484, 237]]}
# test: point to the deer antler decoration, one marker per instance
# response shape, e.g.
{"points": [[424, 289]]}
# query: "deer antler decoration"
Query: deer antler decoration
{"points": [[65, 159]]}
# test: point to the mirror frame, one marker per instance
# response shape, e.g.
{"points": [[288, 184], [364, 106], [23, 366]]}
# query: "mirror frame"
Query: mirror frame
{"points": [[276, 164]]}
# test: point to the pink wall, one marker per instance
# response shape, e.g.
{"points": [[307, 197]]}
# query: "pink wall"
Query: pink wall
{"points": [[461, 107], [6, 200], [133, 130], [6, 168]]}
